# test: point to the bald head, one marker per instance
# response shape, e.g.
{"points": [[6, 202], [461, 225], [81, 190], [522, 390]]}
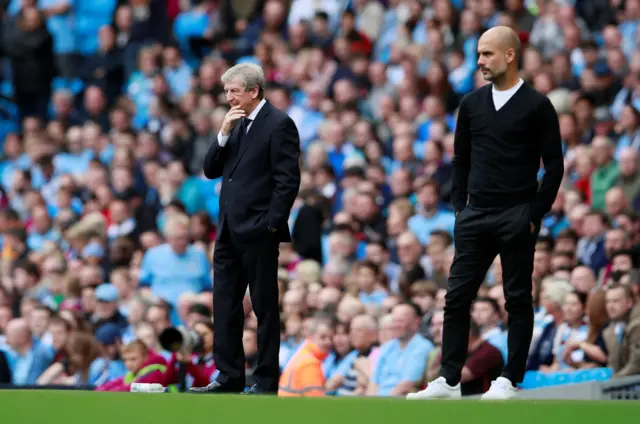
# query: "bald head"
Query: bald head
{"points": [[498, 55], [18, 324], [328, 296], [364, 321], [18, 334], [504, 38]]}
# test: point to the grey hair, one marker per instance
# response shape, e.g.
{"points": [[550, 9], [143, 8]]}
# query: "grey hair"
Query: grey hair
{"points": [[556, 289], [320, 319], [367, 321], [250, 74], [337, 266], [64, 93]]}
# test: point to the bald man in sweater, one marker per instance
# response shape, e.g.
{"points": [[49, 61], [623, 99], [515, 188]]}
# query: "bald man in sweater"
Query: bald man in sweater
{"points": [[503, 131]]}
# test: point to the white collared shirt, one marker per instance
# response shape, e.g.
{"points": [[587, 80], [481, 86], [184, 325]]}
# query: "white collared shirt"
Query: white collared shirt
{"points": [[222, 139]]}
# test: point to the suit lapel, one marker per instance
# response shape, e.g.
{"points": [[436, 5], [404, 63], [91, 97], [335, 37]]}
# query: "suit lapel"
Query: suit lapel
{"points": [[253, 132]]}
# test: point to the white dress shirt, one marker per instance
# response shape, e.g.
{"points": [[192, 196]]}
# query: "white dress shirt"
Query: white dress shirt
{"points": [[222, 139]]}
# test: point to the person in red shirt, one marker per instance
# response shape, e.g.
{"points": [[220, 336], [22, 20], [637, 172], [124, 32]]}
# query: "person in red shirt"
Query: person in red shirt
{"points": [[358, 42], [484, 364], [143, 365]]}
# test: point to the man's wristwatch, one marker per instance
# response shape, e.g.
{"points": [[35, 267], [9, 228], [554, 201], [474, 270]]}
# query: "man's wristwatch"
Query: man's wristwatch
{"points": [[272, 229]]}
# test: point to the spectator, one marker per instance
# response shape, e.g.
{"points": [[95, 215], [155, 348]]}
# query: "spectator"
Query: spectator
{"points": [[105, 68], [26, 361], [622, 333], [483, 365], [593, 348], [432, 216], [143, 366], [630, 177], [606, 173], [341, 349], [159, 316], [73, 370], [552, 300], [583, 280], [401, 361], [176, 266], [199, 366], [353, 374], [485, 313], [29, 46], [369, 283], [107, 308], [107, 366], [572, 330], [303, 374]]}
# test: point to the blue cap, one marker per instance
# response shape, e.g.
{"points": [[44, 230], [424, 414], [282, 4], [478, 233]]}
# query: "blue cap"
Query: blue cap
{"points": [[93, 250], [107, 334], [107, 293], [601, 69]]}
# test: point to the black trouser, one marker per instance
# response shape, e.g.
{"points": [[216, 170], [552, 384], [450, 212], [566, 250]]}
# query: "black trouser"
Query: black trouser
{"points": [[236, 264], [480, 234]]}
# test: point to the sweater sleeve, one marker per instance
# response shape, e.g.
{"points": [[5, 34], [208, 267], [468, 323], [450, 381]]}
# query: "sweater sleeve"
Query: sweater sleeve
{"points": [[461, 163], [552, 160]]}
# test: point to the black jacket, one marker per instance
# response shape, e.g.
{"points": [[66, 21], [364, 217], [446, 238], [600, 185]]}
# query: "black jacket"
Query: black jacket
{"points": [[31, 56], [5, 372], [105, 69], [260, 182]]}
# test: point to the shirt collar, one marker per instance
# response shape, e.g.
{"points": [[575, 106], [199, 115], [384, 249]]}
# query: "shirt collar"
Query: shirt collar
{"points": [[255, 112]]}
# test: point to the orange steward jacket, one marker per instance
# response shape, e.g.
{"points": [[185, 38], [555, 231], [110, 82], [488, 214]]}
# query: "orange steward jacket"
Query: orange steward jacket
{"points": [[303, 374]]}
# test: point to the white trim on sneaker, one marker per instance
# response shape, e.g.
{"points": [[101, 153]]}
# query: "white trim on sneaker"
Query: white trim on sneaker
{"points": [[501, 389], [437, 389]]}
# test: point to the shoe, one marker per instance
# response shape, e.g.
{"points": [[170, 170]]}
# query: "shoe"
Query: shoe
{"points": [[501, 389], [437, 389], [257, 390], [214, 388]]}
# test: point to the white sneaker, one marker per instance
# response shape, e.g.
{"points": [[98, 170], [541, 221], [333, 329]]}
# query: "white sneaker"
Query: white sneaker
{"points": [[501, 389], [437, 389]]}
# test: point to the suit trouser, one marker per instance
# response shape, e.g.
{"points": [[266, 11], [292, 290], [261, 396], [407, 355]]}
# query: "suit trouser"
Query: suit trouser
{"points": [[238, 264], [479, 235]]}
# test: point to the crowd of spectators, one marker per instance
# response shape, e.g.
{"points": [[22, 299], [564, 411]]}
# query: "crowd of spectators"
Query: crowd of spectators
{"points": [[107, 224]]}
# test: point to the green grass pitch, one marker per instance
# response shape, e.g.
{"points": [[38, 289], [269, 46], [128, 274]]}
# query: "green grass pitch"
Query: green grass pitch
{"points": [[69, 407]]}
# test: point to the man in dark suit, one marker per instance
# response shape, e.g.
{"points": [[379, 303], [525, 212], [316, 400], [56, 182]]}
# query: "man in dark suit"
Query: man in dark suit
{"points": [[257, 155]]}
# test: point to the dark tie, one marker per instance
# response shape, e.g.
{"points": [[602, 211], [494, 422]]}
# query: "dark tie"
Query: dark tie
{"points": [[242, 131]]}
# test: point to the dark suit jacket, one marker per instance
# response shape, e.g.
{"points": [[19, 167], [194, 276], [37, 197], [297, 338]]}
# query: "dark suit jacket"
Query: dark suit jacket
{"points": [[260, 182]]}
